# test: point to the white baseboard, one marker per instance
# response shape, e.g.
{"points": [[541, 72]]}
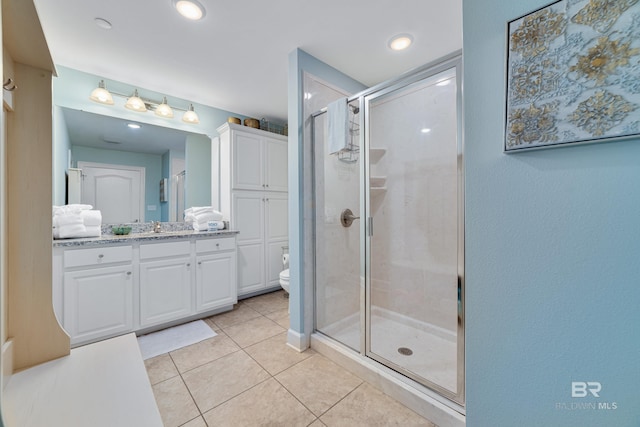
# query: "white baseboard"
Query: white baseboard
{"points": [[297, 341]]}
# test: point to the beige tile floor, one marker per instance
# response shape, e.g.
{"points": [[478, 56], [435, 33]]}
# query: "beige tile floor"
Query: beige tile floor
{"points": [[248, 376]]}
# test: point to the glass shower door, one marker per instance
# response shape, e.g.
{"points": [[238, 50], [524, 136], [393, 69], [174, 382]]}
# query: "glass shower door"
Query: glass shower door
{"points": [[415, 243], [337, 187]]}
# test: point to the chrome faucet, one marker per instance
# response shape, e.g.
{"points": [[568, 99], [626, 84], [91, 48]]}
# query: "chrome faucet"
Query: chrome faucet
{"points": [[156, 227]]}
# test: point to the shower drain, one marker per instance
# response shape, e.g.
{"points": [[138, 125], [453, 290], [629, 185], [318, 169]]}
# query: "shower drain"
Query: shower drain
{"points": [[405, 351]]}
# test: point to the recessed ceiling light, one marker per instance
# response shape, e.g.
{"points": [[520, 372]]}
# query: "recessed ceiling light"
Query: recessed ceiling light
{"points": [[190, 9], [134, 125], [400, 41], [102, 23], [425, 130]]}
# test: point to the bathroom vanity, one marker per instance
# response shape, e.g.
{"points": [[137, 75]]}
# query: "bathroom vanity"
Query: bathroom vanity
{"points": [[112, 285]]}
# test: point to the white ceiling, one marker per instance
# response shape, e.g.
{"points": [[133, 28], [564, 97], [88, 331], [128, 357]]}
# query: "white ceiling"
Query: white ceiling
{"points": [[236, 58]]}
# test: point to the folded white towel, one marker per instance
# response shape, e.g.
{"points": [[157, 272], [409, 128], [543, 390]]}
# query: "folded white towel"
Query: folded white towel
{"points": [[200, 214], [338, 122], [91, 231], [67, 231], [73, 208], [67, 220], [91, 218]]}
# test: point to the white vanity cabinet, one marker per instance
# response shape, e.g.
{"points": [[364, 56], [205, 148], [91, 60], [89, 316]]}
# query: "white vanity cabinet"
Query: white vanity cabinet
{"points": [[253, 195], [165, 282], [216, 284], [141, 284], [97, 292]]}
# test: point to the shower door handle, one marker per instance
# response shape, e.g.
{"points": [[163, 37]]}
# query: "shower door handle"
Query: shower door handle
{"points": [[347, 218]]}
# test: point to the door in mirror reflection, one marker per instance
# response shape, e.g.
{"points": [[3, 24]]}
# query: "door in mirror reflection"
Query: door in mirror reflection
{"points": [[117, 191]]}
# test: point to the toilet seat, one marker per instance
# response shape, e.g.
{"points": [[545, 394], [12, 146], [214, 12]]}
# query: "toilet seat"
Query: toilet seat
{"points": [[284, 279]]}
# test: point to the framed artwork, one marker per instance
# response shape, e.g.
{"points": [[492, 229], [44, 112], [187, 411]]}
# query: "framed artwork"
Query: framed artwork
{"points": [[573, 74]]}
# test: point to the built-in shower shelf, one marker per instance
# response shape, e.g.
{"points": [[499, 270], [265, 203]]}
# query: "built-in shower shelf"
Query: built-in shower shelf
{"points": [[375, 191], [377, 181], [375, 154]]}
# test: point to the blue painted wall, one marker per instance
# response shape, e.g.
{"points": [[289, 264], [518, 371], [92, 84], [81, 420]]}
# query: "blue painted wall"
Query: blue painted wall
{"points": [[197, 155], [553, 258], [151, 162]]}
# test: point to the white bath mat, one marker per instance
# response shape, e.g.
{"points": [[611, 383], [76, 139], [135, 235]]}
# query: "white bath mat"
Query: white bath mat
{"points": [[170, 339]]}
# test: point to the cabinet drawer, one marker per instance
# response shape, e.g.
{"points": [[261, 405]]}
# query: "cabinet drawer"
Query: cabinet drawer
{"points": [[216, 245], [97, 256], [169, 249]]}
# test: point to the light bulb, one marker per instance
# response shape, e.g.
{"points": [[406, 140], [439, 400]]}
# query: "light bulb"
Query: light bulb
{"points": [[190, 9], [135, 103], [190, 116], [101, 95], [164, 110]]}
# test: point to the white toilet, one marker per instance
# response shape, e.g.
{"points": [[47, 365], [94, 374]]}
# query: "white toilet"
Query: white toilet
{"points": [[284, 274]]}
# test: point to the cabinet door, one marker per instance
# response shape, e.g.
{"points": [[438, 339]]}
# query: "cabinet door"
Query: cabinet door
{"points": [[165, 290], [248, 217], [98, 303], [248, 162], [276, 217], [216, 281], [276, 168], [250, 267]]}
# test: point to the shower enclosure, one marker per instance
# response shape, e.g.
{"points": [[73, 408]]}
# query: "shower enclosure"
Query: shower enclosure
{"points": [[389, 228]]}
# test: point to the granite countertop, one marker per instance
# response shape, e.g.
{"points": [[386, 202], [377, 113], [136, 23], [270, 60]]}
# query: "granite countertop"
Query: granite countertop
{"points": [[147, 236]]}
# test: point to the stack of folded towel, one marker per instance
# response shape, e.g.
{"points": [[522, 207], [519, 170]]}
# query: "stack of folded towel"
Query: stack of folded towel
{"points": [[202, 216], [76, 221]]}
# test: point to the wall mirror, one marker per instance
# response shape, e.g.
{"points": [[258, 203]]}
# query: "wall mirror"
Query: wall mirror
{"points": [[142, 156]]}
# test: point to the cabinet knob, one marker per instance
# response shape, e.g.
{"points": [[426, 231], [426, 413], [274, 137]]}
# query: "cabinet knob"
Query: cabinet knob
{"points": [[128, 273], [199, 262], [217, 245], [188, 264], [101, 256], [267, 185]]}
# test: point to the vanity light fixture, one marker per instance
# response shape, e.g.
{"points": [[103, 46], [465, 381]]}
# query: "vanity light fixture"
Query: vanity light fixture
{"points": [[190, 116], [142, 105], [135, 103], [400, 41], [190, 9], [101, 94], [164, 110]]}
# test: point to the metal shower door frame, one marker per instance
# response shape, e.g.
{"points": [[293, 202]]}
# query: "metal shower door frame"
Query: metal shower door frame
{"points": [[448, 63]]}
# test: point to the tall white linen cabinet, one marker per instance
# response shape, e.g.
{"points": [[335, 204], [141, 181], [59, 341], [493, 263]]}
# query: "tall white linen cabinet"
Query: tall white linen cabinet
{"points": [[253, 195]]}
